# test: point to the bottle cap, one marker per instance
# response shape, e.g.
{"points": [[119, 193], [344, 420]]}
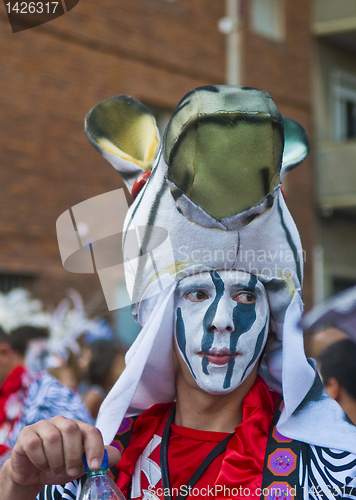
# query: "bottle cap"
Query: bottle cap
{"points": [[104, 464]]}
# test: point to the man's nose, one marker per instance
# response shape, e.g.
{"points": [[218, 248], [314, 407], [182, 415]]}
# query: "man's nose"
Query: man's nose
{"points": [[223, 318]]}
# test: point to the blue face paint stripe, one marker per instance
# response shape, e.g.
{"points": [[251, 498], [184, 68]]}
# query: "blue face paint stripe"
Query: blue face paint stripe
{"points": [[230, 368], [204, 364], [208, 336], [181, 338], [252, 282], [243, 316], [258, 347]]}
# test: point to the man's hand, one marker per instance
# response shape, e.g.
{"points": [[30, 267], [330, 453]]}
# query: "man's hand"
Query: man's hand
{"points": [[51, 452]]}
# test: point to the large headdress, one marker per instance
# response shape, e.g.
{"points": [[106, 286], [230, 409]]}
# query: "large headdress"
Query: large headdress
{"points": [[212, 202]]}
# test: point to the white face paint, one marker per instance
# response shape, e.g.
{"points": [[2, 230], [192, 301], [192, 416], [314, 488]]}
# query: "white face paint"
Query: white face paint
{"points": [[221, 327]]}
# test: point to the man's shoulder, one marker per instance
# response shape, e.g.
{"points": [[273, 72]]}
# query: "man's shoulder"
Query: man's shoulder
{"points": [[47, 398], [140, 423]]}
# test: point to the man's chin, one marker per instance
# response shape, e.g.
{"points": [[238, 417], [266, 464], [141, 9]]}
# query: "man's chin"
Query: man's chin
{"points": [[215, 384], [218, 392]]}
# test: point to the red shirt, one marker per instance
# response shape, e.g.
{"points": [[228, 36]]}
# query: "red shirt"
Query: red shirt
{"points": [[236, 474], [13, 393]]}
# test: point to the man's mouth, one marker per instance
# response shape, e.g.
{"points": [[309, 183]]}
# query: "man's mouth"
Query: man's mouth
{"points": [[219, 356]]}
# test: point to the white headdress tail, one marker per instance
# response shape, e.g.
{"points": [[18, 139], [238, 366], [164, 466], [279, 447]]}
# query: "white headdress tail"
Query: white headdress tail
{"points": [[212, 202]]}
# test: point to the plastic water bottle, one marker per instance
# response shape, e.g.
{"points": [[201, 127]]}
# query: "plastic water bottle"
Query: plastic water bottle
{"points": [[99, 485]]}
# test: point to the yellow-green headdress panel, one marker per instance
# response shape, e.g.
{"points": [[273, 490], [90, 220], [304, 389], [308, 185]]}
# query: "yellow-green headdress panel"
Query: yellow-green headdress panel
{"points": [[223, 147], [124, 131]]}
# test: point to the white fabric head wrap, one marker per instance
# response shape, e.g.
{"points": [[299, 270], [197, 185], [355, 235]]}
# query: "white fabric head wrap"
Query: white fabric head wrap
{"points": [[212, 202]]}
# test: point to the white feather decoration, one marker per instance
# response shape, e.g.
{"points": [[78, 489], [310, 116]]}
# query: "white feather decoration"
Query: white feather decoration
{"points": [[17, 308]]}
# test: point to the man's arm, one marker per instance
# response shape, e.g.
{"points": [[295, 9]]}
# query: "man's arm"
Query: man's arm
{"points": [[11, 490], [51, 452]]}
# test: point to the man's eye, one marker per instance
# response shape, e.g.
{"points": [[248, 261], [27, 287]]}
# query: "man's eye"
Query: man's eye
{"points": [[244, 297], [196, 296]]}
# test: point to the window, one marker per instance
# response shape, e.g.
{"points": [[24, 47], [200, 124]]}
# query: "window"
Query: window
{"points": [[344, 97], [8, 281], [340, 284], [267, 18]]}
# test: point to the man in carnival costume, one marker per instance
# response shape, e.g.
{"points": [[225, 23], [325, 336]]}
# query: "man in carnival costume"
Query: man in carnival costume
{"points": [[214, 269]]}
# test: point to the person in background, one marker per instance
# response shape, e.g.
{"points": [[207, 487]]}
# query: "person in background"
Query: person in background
{"points": [[27, 397], [65, 376], [106, 365], [317, 341], [338, 372], [69, 329]]}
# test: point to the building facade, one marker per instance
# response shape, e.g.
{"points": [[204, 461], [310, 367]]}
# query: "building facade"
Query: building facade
{"points": [[334, 75]]}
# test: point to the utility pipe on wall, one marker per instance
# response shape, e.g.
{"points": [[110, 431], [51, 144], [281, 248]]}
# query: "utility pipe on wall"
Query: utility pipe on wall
{"points": [[230, 26]]}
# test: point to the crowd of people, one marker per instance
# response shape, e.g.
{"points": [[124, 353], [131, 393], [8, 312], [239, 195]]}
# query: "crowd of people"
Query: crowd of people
{"points": [[47, 365], [330, 339]]}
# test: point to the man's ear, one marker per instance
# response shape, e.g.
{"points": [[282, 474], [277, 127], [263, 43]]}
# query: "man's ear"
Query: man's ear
{"points": [[5, 348], [333, 388], [6, 355]]}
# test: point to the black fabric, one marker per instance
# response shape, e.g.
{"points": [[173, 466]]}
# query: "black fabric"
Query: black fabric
{"points": [[268, 477], [124, 440], [219, 448]]}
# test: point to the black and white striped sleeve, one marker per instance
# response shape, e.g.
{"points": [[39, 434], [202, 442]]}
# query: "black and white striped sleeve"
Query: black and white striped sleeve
{"points": [[69, 491], [327, 474]]}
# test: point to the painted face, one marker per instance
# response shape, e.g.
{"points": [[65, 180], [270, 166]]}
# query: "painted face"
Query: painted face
{"points": [[221, 327]]}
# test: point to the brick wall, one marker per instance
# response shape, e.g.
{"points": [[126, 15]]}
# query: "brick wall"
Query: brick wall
{"points": [[51, 76], [156, 51], [283, 69]]}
